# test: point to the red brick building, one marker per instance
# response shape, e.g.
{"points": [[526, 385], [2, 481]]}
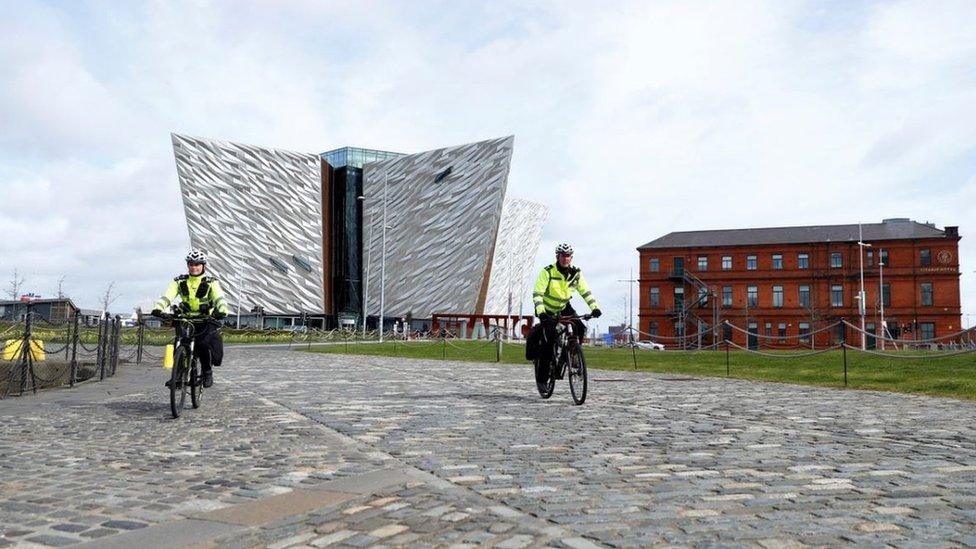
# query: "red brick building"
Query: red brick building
{"points": [[785, 282]]}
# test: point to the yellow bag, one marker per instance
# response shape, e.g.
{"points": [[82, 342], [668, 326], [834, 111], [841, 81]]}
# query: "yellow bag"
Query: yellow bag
{"points": [[12, 350]]}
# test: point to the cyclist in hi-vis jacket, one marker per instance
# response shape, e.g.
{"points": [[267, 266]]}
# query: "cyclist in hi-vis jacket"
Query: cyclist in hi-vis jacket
{"points": [[200, 297], [553, 289]]}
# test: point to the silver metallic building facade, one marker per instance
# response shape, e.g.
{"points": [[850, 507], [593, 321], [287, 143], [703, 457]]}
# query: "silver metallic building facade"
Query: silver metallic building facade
{"points": [[258, 213], [453, 243]]}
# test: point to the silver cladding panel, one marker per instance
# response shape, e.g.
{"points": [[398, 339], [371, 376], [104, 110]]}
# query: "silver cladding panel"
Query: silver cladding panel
{"points": [[246, 204], [517, 244], [440, 235]]}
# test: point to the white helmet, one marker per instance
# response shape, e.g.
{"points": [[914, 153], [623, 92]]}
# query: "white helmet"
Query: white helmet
{"points": [[196, 256], [564, 249]]}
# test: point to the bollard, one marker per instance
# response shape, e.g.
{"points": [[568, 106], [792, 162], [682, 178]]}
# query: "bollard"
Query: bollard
{"points": [[168, 356]]}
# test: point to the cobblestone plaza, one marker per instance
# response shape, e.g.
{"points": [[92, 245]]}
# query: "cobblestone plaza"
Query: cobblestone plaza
{"points": [[297, 449]]}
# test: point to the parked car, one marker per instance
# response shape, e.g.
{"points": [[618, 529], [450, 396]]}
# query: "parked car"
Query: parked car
{"points": [[649, 345]]}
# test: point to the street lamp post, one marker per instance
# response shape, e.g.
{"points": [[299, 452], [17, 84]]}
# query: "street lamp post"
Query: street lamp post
{"points": [[369, 240], [383, 258], [860, 297], [884, 329]]}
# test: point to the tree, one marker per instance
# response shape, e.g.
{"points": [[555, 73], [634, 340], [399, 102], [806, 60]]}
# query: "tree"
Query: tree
{"points": [[61, 287], [16, 283], [110, 296]]}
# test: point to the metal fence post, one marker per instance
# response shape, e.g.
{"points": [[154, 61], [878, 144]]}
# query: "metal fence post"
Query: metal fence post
{"points": [[116, 338], [27, 354], [727, 367], [74, 353], [498, 345], [102, 346], [844, 347], [140, 339]]}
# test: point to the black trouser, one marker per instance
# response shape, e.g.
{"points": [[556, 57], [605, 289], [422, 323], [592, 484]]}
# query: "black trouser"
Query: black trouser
{"points": [[208, 346], [549, 330]]}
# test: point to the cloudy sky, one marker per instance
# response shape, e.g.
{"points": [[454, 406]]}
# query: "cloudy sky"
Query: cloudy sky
{"points": [[632, 119]]}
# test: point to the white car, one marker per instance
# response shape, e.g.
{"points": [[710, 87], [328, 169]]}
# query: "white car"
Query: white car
{"points": [[649, 345]]}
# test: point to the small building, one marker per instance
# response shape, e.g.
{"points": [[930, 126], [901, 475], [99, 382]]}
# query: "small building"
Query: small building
{"points": [[58, 309]]}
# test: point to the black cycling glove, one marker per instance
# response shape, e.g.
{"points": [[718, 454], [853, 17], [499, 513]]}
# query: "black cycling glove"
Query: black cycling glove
{"points": [[596, 313]]}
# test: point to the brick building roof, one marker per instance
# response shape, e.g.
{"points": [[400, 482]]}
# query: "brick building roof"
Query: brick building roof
{"points": [[890, 229]]}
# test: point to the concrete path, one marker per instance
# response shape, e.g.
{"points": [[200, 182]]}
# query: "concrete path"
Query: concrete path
{"points": [[296, 449]]}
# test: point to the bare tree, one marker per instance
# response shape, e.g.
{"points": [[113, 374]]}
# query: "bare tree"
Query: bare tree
{"points": [[13, 289], [61, 287], [110, 296]]}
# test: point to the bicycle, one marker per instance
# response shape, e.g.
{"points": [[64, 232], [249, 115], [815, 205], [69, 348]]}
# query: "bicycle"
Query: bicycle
{"points": [[567, 355], [187, 377]]}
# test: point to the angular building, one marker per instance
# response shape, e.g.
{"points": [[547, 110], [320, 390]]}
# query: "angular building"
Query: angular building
{"points": [[304, 233]]}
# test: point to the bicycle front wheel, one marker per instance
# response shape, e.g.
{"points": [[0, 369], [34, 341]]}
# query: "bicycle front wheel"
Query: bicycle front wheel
{"points": [[179, 382], [577, 374]]}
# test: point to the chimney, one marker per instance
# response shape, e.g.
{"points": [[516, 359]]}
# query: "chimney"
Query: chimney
{"points": [[952, 232]]}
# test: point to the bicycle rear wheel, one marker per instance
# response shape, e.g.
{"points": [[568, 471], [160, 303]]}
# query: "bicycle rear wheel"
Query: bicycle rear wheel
{"points": [[196, 384], [179, 382], [545, 382], [577, 374]]}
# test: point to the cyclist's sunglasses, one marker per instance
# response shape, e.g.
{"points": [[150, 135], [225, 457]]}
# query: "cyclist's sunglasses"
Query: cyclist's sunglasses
{"points": [[194, 263]]}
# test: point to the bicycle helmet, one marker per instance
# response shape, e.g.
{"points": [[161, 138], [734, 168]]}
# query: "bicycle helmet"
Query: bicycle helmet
{"points": [[564, 249], [196, 256]]}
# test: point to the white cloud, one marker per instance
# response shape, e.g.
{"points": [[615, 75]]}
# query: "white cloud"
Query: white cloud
{"points": [[631, 120]]}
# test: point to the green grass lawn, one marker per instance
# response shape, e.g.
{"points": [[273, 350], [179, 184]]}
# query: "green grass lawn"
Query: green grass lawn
{"points": [[916, 373]]}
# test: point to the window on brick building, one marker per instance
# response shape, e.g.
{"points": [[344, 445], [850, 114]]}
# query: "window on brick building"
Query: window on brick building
{"points": [[703, 296], [836, 296], [804, 296], [751, 263], [655, 265], [777, 296], [726, 262], [769, 329], [703, 263], [870, 258], [804, 332], [752, 296], [803, 261], [655, 297], [679, 297], [836, 260], [928, 330], [925, 257], [727, 296], [652, 329], [883, 257], [777, 261], [927, 293], [886, 295], [781, 331]]}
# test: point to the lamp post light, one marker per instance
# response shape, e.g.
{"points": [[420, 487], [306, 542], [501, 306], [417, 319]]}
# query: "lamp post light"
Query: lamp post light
{"points": [[860, 297]]}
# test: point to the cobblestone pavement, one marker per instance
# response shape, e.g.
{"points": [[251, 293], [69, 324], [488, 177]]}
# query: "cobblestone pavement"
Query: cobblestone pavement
{"points": [[295, 449]]}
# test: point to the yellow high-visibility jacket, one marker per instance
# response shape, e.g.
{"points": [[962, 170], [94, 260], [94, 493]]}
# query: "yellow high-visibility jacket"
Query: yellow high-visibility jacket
{"points": [[553, 290], [194, 291]]}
